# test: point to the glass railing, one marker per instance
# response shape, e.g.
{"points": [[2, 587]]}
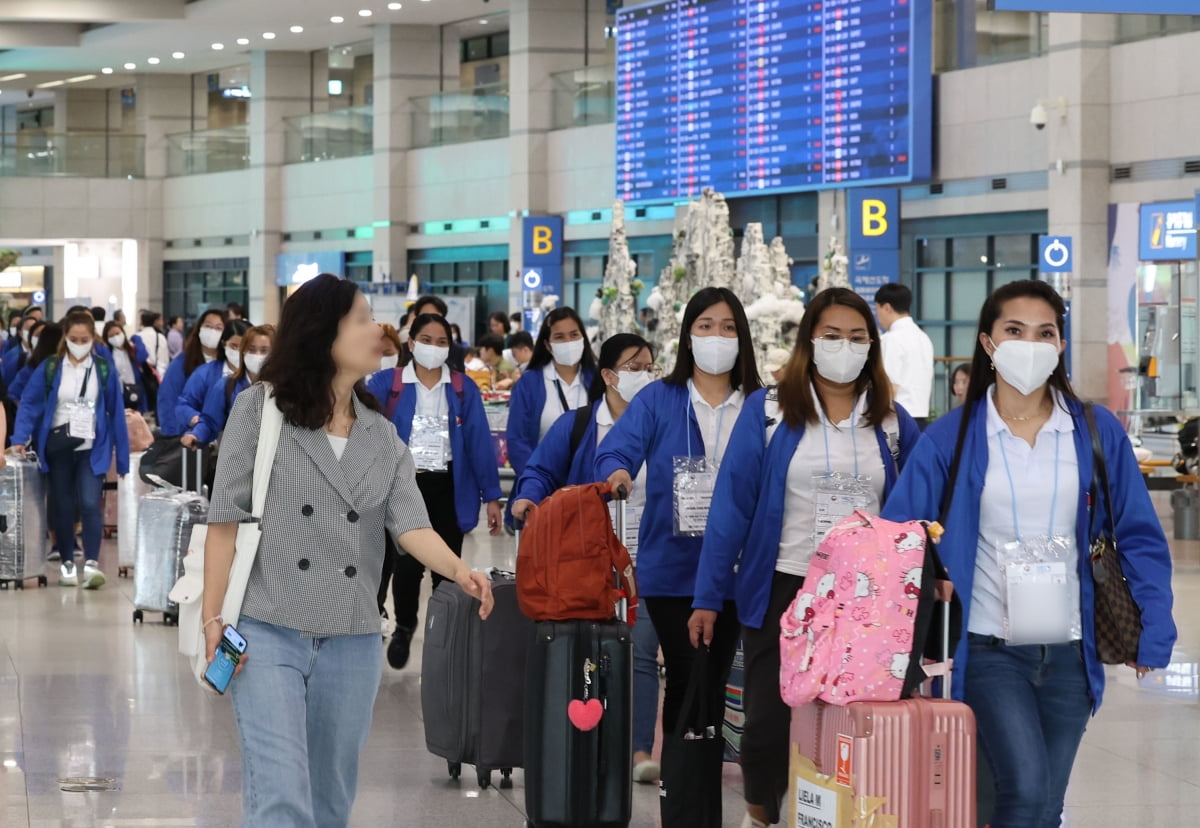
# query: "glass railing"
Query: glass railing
{"points": [[208, 151], [584, 96], [1131, 27], [72, 154], [473, 114], [324, 136]]}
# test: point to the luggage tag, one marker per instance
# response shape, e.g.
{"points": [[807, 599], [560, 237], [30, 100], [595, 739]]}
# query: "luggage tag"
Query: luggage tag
{"points": [[429, 443], [633, 523], [694, 482], [836, 496], [1041, 599], [585, 715]]}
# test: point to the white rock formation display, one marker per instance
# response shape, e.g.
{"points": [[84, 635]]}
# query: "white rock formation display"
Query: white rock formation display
{"points": [[764, 284], [616, 307]]}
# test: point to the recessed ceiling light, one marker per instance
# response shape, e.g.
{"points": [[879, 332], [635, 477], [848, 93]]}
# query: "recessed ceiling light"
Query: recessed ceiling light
{"points": [[268, 35], [296, 29], [153, 61], [243, 41], [50, 84], [130, 66], [177, 55], [81, 78], [17, 76], [483, 22], [337, 19], [394, 6], [364, 12], [218, 47], [107, 70]]}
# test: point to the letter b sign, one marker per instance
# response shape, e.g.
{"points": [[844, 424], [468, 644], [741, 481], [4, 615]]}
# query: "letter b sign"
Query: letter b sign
{"points": [[874, 219], [542, 241]]}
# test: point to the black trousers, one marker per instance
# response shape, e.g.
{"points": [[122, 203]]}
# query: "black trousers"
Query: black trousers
{"points": [[764, 752], [670, 617], [404, 571]]}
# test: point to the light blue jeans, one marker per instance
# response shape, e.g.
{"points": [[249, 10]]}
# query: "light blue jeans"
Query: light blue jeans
{"points": [[303, 708], [645, 682]]}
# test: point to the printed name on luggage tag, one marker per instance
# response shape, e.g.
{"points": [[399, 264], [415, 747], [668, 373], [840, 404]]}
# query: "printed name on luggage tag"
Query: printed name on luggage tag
{"points": [[695, 480], [82, 423]]}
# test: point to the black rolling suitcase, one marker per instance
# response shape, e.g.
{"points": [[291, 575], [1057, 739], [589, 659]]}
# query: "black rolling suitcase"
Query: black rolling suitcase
{"points": [[575, 777], [472, 680]]}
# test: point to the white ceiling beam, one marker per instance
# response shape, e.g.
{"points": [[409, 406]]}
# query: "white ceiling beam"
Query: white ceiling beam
{"points": [[37, 35], [91, 11]]}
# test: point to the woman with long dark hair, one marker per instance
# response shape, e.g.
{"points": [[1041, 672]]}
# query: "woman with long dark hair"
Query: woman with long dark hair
{"points": [[202, 348], [439, 415], [830, 425], [566, 457], [127, 356], [253, 350], [340, 478], [679, 428], [190, 410], [562, 368], [1020, 454], [45, 337]]}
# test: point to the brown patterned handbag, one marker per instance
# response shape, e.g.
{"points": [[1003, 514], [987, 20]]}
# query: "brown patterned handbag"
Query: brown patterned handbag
{"points": [[1118, 618]]}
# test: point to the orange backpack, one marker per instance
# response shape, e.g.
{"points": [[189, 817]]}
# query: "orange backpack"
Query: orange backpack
{"points": [[567, 558]]}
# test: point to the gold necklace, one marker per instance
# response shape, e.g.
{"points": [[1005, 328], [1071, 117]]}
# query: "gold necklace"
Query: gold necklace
{"points": [[1013, 419]]}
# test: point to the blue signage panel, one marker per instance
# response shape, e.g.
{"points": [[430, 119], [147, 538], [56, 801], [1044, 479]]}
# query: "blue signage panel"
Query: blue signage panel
{"points": [[298, 268], [760, 96], [874, 219], [542, 240], [1056, 254], [872, 269], [1167, 232], [536, 284], [1099, 6]]}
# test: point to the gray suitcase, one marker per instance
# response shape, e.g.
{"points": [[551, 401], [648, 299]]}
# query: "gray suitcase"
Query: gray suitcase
{"points": [[22, 523], [165, 520], [130, 491]]}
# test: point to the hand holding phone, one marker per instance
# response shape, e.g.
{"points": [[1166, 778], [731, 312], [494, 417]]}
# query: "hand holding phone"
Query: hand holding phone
{"points": [[225, 660]]}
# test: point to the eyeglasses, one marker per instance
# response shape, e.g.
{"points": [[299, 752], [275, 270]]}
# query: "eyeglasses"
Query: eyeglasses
{"points": [[833, 342], [635, 368]]}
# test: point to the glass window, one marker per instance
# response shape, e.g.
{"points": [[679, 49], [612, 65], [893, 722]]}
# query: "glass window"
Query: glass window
{"points": [[962, 341], [475, 49], [1014, 251], [970, 251], [932, 296], [968, 292], [931, 252], [467, 272]]}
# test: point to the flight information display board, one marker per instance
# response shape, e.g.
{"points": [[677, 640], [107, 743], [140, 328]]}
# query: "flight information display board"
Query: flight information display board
{"points": [[757, 96]]}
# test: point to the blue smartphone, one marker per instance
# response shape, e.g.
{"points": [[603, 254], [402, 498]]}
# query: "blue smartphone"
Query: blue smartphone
{"points": [[229, 653]]}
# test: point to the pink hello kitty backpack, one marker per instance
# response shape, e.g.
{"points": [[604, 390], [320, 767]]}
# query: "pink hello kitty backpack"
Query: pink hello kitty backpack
{"points": [[862, 626]]}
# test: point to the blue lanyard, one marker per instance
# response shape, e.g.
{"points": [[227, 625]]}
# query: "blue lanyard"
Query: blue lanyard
{"points": [[853, 440], [720, 423], [1013, 488]]}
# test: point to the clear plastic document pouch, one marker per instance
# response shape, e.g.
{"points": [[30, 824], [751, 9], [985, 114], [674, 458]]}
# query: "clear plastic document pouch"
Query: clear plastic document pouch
{"points": [[429, 443], [695, 479], [1041, 592], [836, 496]]}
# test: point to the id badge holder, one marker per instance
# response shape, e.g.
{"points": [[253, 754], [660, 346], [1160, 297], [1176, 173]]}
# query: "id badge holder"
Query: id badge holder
{"points": [[694, 481], [1041, 599], [429, 442], [836, 496], [82, 423]]}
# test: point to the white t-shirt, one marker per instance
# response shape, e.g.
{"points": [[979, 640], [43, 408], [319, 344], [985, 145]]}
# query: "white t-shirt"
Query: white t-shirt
{"points": [[1033, 475], [796, 546], [574, 391], [338, 444], [124, 366], [716, 424], [908, 361]]}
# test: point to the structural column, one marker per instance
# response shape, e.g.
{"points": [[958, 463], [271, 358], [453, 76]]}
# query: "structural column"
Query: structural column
{"points": [[406, 67]]}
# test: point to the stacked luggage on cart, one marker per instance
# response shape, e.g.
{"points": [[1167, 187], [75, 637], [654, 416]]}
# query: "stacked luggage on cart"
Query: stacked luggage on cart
{"points": [[23, 526]]}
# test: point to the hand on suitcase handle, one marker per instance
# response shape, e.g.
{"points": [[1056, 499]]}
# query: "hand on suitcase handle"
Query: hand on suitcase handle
{"points": [[520, 509]]}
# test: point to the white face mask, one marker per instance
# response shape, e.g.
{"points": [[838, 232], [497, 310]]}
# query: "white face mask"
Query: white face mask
{"points": [[567, 354], [430, 357], [33, 341], [234, 358], [715, 354], [389, 362], [25, 335], [254, 363], [117, 340], [629, 383], [210, 338], [403, 336], [842, 365], [79, 351], [1025, 365]]}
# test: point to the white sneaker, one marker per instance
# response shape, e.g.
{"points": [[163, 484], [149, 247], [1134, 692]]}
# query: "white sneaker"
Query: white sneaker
{"points": [[68, 578], [751, 822], [93, 578], [647, 772]]}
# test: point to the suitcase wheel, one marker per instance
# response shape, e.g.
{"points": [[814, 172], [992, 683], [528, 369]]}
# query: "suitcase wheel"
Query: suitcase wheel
{"points": [[454, 769], [19, 585], [137, 616], [3, 584], [484, 778], [169, 619], [122, 572], [109, 532], [42, 581], [505, 778]]}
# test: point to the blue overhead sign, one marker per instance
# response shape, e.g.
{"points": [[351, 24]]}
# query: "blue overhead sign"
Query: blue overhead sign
{"points": [[543, 240], [872, 269], [1056, 254], [1167, 232], [875, 219], [1099, 6]]}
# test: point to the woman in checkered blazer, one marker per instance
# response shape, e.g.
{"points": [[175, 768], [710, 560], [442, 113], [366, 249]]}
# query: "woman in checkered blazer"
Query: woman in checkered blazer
{"points": [[341, 478]]}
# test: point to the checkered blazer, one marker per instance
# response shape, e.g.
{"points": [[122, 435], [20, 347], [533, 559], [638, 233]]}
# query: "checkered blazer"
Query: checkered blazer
{"points": [[321, 555]]}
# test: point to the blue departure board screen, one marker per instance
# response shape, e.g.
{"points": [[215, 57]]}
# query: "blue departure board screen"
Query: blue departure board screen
{"points": [[758, 96]]}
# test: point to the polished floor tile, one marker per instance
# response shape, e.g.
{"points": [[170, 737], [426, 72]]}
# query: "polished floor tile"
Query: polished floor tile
{"points": [[86, 693]]}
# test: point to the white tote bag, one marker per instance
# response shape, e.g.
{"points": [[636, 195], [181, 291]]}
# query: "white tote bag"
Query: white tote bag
{"points": [[188, 591]]}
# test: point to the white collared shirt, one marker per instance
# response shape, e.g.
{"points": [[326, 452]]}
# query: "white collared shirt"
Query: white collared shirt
{"points": [[908, 361], [604, 424], [574, 391], [716, 424], [431, 402], [70, 389], [796, 546], [1033, 476]]}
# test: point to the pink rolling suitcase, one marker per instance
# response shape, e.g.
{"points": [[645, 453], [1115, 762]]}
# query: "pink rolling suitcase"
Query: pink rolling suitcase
{"points": [[917, 754]]}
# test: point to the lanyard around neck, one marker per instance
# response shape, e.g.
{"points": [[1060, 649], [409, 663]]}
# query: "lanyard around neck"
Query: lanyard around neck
{"points": [[853, 439], [1013, 488]]}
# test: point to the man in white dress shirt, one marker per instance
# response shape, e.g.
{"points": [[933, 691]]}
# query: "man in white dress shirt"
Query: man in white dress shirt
{"points": [[907, 351]]}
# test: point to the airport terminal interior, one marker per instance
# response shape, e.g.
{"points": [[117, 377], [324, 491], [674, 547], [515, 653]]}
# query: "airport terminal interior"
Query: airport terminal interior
{"points": [[165, 159]]}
